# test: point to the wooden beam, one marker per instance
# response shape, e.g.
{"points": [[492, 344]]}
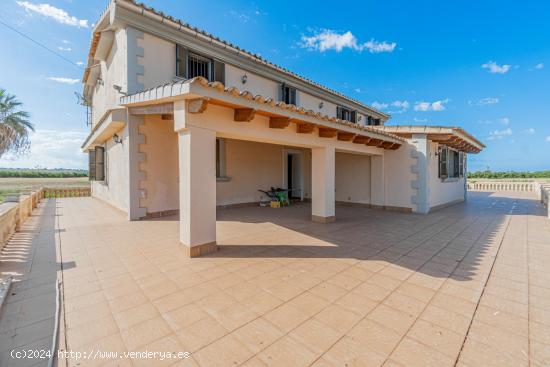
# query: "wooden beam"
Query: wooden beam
{"points": [[167, 116], [278, 122], [244, 114], [197, 105], [361, 139], [159, 109], [325, 132], [385, 144], [374, 142], [305, 128], [439, 137], [345, 136], [395, 146]]}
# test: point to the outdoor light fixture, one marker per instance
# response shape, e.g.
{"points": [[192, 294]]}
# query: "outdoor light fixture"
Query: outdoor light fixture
{"points": [[118, 88], [117, 139], [321, 104], [359, 118], [244, 78]]}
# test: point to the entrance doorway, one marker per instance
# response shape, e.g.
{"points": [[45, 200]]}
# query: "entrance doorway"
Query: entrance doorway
{"points": [[293, 178]]}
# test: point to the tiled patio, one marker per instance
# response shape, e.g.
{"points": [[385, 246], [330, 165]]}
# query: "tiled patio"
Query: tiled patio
{"points": [[468, 286]]}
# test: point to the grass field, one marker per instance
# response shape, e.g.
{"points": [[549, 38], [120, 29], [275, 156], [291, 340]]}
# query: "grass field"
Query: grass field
{"points": [[13, 185]]}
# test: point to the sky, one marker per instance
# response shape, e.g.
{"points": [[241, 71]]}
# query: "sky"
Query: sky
{"points": [[480, 65]]}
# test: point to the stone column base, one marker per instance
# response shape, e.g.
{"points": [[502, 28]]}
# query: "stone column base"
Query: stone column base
{"points": [[319, 219], [200, 250]]}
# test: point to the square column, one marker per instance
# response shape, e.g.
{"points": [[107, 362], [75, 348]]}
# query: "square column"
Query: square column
{"points": [[377, 184], [421, 184], [197, 186], [323, 184], [135, 212]]}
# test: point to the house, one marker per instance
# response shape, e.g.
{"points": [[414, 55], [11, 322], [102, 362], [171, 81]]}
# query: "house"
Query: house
{"points": [[185, 122]]}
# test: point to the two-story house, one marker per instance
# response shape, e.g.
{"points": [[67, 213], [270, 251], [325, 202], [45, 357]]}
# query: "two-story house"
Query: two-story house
{"points": [[185, 122]]}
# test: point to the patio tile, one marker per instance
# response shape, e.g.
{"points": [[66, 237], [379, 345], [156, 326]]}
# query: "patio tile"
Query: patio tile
{"points": [[287, 352], [258, 334], [225, 351]]}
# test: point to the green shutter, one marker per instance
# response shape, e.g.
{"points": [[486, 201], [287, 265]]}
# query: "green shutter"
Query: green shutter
{"points": [[100, 163], [181, 61], [91, 165], [219, 72]]}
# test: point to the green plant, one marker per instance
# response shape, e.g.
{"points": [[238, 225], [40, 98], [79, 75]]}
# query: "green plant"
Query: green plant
{"points": [[14, 125], [509, 174]]}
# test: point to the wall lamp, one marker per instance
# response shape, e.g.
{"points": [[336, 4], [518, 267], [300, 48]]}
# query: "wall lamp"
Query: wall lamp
{"points": [[244, 78], [118, 88], [321, 104], [117, 139]]}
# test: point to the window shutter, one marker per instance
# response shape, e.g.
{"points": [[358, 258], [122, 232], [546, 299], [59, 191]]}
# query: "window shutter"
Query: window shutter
{"points": [[461, 164], [292, 96], [91, 165], [353, 116], [100, 164], [443, 162], [339, 112], [181, 61], [282, 92], [219, 72]]}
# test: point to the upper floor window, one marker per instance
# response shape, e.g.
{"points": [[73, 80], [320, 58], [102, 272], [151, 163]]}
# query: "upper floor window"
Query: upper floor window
{"points": [[347, 114], [190, 65], [288, 94], [371, 121]]}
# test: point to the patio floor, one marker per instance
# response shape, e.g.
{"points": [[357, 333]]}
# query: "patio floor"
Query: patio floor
{"points": [[468, 285]]}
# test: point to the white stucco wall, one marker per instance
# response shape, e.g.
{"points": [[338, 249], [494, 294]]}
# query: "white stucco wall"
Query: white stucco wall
{"points": [[254, 83], [353, 175], [442, 192], [113, 72], [252, 166], [398, 177], [115, 189], [160, 165], [158, 60]]}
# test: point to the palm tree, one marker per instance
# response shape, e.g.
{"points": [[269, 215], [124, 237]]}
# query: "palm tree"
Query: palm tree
{"points": [[14, 125]]}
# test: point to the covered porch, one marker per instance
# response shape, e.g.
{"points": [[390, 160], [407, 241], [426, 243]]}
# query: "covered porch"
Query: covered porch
{"points": [[218, 147]]}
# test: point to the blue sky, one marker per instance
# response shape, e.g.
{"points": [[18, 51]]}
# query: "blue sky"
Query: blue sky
{"points": [[481, 65]]}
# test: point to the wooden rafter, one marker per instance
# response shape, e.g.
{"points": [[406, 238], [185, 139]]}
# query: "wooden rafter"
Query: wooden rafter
{"points": [[374, 142], [386, 144], [305, 128], [244, 114], [359, 139], [395, 146], [276, 122], [197, 105], [325, 132], [345, 136]]}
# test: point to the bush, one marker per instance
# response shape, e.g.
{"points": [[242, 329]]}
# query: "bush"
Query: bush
{"points": [[510, 174], [42, 173]]}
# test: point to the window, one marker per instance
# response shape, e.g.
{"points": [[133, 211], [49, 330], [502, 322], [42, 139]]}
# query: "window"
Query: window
{"points": [[190, 65], [451, 163], [96, 164], [371, 121], [288, 94], [347, 114]]}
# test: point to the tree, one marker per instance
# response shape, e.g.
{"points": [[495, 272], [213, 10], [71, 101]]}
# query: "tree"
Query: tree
{"points": [[14, 125]]}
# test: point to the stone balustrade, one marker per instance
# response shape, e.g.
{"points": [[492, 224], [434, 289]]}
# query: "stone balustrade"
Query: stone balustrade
{"points": [[545, 196], [18, 208]]}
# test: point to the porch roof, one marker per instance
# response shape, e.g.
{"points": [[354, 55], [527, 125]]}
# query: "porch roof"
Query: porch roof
{"points": [[451, 136], [217, 93]]}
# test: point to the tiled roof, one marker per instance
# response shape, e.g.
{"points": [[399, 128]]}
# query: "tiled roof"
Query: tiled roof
{"points": [[175, 88], [185, 27]]}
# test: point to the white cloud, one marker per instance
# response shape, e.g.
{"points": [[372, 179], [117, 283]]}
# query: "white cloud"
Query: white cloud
{"points": [[504, 120], [530, 131], [59, 15], [80, 63], [357, 90], [51, 149], [399, 106], [61, 48], [63, 80], [494, 68], [416, 119], [431, 106], [332, 40], [539, 66], [499, 134], [547, 139], [486, 101]]}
